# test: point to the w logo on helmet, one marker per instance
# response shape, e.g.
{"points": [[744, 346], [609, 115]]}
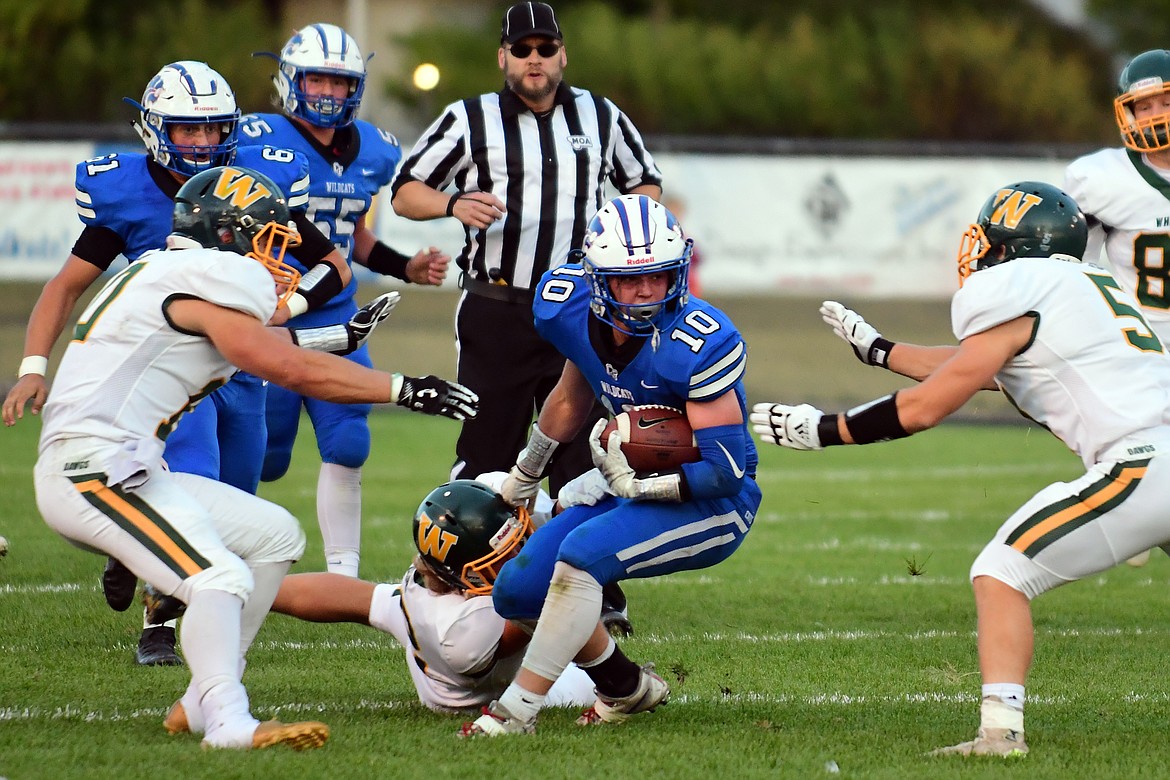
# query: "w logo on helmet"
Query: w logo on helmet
{"points": [[434, 541], [1011, 207], [239, 189]]}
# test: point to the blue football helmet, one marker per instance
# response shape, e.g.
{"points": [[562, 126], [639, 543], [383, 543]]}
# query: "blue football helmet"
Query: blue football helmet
{"points": [[325, 49], [633, 235], [187, 93]]}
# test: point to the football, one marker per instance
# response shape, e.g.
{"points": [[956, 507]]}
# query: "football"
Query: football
{"points": [[654, 438]]}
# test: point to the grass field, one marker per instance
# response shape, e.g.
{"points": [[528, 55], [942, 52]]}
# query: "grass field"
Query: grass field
{"points": [[811, 652]]}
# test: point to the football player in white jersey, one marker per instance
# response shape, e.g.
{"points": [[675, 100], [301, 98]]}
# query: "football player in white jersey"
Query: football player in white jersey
{"points": [[460, 653], [1125, 193], [160, 337], [1073, 352]]}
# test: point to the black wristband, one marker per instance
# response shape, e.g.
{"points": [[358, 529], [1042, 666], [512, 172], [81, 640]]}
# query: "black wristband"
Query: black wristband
{"points": [[875, 421], [388, 262], [828, 432], [879, 352], [320, 284], [451, 203]]}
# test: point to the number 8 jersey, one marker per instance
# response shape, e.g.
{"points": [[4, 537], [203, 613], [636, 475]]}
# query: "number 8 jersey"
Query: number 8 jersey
{"points": [[1127, 203]]}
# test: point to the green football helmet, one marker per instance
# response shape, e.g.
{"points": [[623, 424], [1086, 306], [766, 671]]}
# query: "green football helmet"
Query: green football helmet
{"points": [[465, 532], [1146, 76], [1026, 219], [243, 211]]}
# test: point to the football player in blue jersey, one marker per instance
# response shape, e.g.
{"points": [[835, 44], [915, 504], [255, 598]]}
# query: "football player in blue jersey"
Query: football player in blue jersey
{"points": [[188, 120], [319, 86], [631, 334]]}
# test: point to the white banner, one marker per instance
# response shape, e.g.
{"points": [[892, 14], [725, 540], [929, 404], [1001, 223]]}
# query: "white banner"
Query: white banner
{"points": [[863, 227], [38, 220], [816, 225]]}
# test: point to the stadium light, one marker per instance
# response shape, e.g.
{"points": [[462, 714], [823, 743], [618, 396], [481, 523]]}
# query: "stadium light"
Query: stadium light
{"points": [[426, 77]]}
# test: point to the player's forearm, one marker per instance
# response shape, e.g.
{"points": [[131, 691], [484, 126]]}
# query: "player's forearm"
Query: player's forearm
{"points": [[415, 200], [48, 318], [567, 406], [918, 362], [328, 378]]}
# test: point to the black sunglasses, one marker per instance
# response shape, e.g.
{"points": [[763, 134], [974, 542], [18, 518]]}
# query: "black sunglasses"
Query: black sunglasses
{"points": [[522, 50]]}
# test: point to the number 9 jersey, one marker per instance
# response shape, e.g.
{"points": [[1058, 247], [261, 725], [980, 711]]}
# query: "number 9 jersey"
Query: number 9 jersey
{"points": [[123, 194], [342, 188]]}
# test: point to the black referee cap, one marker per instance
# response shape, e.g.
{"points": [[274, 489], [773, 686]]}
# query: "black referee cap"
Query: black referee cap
{"points": [[524, 19]]}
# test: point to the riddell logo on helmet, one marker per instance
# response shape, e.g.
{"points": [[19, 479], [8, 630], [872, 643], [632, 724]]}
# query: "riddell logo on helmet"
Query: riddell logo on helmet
{"points": [[641, 260], [1147, 85]]}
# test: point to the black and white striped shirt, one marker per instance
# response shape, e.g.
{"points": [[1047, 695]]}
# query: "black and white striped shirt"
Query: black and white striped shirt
{"points": [[550, 171]]}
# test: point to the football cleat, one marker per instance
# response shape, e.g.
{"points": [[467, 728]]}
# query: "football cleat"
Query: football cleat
{"points": [[651, 692], [176, 720], [305, 735], [615, 615], [156, 647], [118, 585], [1004, 743], [160, 608], [496, 722]]}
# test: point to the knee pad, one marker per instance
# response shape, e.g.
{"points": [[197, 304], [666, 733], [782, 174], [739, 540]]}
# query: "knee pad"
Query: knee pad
{"points": [[227, 573], [516, 596], [284, 539], [276, 463], [345, 442], [1014, 569]]}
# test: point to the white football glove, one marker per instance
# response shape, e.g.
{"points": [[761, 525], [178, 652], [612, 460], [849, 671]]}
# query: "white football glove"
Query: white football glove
{"points": [[623, 482], [520, 489], [585, 490], [857, 333], [794, 427]]}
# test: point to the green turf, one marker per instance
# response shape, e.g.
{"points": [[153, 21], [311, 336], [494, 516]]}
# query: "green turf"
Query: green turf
{"points": [[813, 644]]}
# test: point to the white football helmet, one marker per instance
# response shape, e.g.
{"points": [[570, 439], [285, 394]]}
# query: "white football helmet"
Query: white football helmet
{"points": [[327, 49], [634, 235], [187, 93]]}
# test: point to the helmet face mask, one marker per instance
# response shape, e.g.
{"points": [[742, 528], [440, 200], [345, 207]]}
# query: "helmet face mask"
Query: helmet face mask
{"points": [[187, 93], [327, 50], [465, 532], [241, 211], [1026, 219], [1146, 77], [631, 236]]}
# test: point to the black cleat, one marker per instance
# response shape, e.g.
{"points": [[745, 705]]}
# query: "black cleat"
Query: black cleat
{"points": [[615, 611], [156, 647], [118, 584], [160, 608]]}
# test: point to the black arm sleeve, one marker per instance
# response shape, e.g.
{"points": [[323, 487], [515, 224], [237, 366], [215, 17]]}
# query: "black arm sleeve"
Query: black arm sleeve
{"points": [[314, 245], [388, 261], [98, 246]]}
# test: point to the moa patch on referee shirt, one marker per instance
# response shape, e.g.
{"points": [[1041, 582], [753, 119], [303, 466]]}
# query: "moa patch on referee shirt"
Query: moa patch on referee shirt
{"points": [[579, 142]]}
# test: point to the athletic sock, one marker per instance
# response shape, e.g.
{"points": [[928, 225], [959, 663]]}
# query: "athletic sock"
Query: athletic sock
{"points": [[615, 675], [339, 514]]}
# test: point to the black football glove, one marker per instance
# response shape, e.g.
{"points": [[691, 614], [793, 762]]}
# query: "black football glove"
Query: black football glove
{"points": [[432, 395]]}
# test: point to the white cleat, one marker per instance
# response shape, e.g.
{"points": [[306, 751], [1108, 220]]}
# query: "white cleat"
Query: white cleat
{"points": [[1004, 743], [1139, 560], [651, 692], [496, 722]]}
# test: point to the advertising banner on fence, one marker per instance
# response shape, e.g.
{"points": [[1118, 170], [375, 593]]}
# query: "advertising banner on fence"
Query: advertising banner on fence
{"points": [[807, 225], [38, 221]]}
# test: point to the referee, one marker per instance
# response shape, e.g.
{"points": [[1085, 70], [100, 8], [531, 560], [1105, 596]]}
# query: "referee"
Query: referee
{"points": [[529, 165]]}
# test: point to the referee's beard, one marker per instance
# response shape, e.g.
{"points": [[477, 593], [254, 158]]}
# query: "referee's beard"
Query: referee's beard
{"points": [[533, 95]]}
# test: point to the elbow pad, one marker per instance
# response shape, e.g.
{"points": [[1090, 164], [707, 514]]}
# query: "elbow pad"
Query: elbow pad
{"points": [[721, 471]]}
